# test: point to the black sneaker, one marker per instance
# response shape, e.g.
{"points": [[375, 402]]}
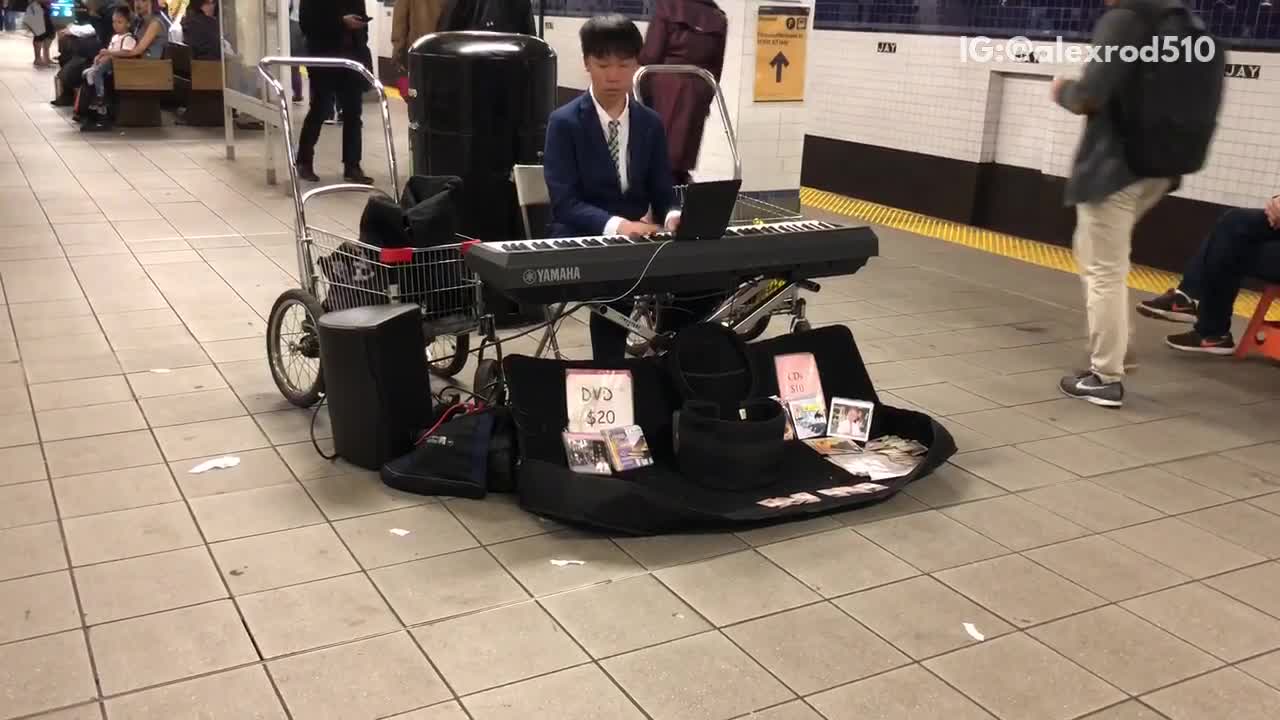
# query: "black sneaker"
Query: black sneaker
{"points": [[306, 172], [354, 174], [1174, 305], [1194, 342], [1087, 386]]}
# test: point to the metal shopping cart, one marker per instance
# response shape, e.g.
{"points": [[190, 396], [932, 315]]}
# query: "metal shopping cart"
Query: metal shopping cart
{"points": [[337, 272], [749, 308]]}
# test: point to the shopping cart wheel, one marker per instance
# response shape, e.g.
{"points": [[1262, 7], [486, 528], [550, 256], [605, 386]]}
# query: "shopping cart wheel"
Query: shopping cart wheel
{"points": [[489, 383], [801, 325], [637, 345], [293, 347], [447, 354]]}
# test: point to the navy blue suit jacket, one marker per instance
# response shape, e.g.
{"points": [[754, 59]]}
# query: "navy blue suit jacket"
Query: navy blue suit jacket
{"points": [[582, 180]]}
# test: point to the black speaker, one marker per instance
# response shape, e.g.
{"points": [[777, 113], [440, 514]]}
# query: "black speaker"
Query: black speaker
{"points": [[376, 381]]}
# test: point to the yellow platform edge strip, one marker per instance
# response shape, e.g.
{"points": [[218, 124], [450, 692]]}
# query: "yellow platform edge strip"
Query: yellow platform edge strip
{"points": [[1141, 277]]}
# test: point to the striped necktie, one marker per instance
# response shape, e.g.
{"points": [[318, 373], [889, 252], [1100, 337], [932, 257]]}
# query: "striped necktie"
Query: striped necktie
{"points": [[613, 145]]}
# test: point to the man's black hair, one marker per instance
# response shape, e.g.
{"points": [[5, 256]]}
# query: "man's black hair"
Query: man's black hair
{"points": [[610, 35]]}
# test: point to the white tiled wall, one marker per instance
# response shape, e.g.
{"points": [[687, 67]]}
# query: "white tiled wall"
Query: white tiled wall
{"points": [[925, 99]]}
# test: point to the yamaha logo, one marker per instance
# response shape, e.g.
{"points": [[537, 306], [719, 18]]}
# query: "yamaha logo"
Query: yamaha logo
{"points": [[544, 276]]}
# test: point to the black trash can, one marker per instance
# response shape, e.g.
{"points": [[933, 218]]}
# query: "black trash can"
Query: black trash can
{"points": [[478, 105]]}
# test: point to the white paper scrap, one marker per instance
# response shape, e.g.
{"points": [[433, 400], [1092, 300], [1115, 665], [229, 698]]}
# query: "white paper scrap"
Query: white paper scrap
{"points": [[222, 463], [562, 563], [401, 532], [161, 371], [973, 632]]}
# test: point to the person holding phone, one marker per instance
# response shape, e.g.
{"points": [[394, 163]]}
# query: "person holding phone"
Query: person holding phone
{"points": [[335, 28]]}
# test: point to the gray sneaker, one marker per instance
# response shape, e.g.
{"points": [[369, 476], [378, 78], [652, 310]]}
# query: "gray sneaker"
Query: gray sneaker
{"points": [[1087, 386]]}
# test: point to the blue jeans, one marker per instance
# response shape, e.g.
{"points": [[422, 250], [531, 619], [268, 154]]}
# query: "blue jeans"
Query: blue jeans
{"points": [[1231, 252], [11, 20], [100, 80]]}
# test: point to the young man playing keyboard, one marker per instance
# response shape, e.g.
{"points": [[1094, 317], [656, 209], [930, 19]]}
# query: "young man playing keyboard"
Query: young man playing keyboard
{"points": [[605, 159]]}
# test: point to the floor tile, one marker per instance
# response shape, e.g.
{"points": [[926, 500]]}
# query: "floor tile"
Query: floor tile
{"points": [[1019, 389], [431, 530], [154, 649], [703, 677], [472, 658], [944, 399], [1107, 568], [1185, 547], [82, 712], [23, 463], [910, 692], [1265, 668], [177, 381], [581, 693], [921, 616], [622, 616], [1242, 524], [1016, 677], [1171, 439], [114, 490], [129, 533], [253, 512], [291, 557], [1225, 475], [1011, 469], [45, 673], [1162, 490], [1009, 424], [38, 605], [89, 420], [18, 429], [1129, 652], [1092, 506], [228, 436], [1080, 456], [171, 357], [79, 393], [98, 454], [1019, 591], [444, 711], [26, 504], [1225, 693], [949, 485], [362, 493], [529, 560], [140, 586], [324, 612], [1014, 522], [1209, 620], [394, 677], [931, 541], [243, 693], [94, 366], [1258, 586], [659, 551], [31, 549], [447, 586], [194, 407], [837, 562], [736, 587], [257, 469], [815, 648], [796, 528], [1132, 710]]}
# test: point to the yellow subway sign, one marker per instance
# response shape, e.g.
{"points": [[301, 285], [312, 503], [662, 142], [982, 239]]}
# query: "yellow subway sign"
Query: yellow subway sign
{"points": [[781, 35]]}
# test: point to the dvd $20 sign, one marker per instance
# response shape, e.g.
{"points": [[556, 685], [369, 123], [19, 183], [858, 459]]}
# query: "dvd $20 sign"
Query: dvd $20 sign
{"points": [[598, 400]]}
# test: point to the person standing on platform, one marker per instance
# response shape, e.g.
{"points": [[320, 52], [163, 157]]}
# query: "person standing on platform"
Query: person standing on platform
{"points": [[509, 16], [1109, 196], [334, 28], [410, 20], [684, 32]]}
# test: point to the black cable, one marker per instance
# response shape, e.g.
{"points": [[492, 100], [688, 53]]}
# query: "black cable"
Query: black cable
{"points": [[314, 416]]}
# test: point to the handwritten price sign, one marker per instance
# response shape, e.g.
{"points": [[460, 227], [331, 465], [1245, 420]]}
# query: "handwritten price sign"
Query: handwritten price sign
{"points": [[598, 400]]}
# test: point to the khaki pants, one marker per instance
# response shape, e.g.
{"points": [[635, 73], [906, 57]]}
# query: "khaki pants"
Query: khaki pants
{"points": [[1103, 241]]}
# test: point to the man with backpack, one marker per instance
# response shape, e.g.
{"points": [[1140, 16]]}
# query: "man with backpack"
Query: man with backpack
{"points": [[1150, 115]]}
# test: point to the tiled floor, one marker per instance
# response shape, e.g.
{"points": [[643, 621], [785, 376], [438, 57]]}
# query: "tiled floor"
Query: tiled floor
{"points": [[1070, 562]]}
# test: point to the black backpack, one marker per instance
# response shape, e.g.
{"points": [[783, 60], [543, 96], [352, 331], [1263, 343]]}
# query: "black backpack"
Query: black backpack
{"points": [[1169, 113]]}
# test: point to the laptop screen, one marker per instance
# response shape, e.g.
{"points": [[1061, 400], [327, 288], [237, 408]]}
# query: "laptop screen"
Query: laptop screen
{"points": [[708, 208]]}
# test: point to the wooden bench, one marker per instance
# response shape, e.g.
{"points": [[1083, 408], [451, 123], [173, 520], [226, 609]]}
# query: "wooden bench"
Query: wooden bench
{"points": [[197, 87], [141, 85]]}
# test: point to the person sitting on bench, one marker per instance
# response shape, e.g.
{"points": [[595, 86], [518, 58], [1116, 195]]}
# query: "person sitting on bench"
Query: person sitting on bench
{"points": [[605, 159], [1208, 289]]}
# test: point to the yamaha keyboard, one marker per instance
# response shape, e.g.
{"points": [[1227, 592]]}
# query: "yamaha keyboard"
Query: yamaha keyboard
{"points": [[603, 267]]}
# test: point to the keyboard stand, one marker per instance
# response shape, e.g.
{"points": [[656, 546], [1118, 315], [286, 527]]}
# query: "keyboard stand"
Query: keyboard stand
{"points": [[549, 335]]}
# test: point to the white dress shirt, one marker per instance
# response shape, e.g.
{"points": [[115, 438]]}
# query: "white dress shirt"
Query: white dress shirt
{"points": [[624, 134]]}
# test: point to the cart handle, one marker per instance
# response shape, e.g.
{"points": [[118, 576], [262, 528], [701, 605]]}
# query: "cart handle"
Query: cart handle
{"points": [[264, 69], [720, 103]]}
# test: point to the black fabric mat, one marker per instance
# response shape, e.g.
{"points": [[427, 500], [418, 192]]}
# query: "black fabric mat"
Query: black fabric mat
{"points": [[657, 499]]}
